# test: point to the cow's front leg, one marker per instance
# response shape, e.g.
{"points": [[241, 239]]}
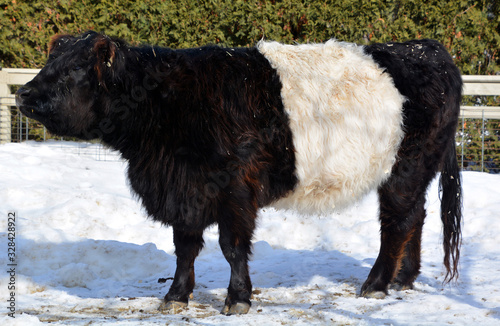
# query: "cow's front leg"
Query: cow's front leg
{"points": [[235, 235], [187, 247]]}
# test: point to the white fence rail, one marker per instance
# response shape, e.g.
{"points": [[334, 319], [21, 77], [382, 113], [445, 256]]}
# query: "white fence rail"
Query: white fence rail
{"points": [[481, 85]]}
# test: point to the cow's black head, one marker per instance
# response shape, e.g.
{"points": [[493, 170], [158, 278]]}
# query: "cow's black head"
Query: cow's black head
{"points": [[65, 95]]}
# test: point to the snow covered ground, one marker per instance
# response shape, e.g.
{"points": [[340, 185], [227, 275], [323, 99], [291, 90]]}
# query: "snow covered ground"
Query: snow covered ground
{"points": [[86, 254]]}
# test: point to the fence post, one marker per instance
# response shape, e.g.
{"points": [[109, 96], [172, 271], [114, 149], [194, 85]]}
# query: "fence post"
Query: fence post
{"points": [[463, 141], [5, 124], [482, 143]]}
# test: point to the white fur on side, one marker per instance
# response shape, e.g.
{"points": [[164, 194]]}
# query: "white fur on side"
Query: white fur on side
{"points": [[346, 118]]}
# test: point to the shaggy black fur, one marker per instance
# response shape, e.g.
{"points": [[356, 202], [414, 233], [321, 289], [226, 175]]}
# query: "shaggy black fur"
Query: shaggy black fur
{"points": [[424, 73], [203, 130], [208, 142]]}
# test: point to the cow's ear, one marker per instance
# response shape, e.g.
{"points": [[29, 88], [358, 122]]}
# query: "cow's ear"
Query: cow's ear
{"points": [[58, 40], [105, 51]]}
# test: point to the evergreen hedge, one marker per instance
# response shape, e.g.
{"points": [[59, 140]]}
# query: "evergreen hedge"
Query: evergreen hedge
{"points": [[468, 28]]}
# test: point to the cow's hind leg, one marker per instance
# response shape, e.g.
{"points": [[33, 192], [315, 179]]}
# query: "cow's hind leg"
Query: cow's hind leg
{"points": [[402, 216], [410, 263], [187, 247]]}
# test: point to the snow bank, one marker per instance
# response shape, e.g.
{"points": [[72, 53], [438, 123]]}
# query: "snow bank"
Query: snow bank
{"points": [[87, 254]]}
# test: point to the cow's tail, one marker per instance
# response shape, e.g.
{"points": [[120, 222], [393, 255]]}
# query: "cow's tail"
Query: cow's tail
{"points": [[451, 211]]}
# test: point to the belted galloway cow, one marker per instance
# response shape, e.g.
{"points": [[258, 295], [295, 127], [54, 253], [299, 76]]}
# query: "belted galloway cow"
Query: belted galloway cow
{"points": [[212, 134]]}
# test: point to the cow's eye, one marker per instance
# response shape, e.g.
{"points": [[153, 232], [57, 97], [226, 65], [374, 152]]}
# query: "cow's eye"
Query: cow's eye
{"points": [[77, 67]]}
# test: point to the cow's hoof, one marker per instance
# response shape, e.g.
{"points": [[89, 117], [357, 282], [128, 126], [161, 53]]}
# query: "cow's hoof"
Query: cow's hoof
{"points": [[374, 294], [401, 287], [239, 308], [172, 307], [373, 290]]}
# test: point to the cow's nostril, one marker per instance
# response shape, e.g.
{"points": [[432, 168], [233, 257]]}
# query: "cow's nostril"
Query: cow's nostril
{"points": [[23, 92]]}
